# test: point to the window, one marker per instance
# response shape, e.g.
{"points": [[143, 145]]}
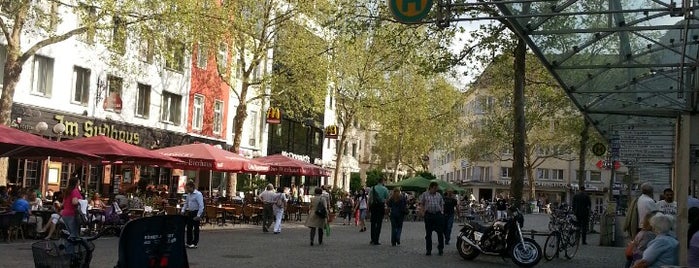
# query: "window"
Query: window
{"points": [[557, 174], [595, 176], [170, 108], [81, 85], [119, 35], [143, 101], [42, 76], [222, 56], [202, 56], [218, 116], [354, 150], [506, 172], [113, 100], [198, 113], [3, 59], [542, 174], [257, 73], [253, 130], [145, 48], [174, 59]]}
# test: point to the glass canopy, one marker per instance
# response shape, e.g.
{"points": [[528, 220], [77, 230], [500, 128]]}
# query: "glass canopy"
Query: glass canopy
{"points": [[629, 65]]}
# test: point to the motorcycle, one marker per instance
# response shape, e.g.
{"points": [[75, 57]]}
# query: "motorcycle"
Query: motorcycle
{"points": [[503, 237]]}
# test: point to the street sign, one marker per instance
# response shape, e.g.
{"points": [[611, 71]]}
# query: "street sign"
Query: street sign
{"points": [[646, 144], [410, 11], [599, 149]]}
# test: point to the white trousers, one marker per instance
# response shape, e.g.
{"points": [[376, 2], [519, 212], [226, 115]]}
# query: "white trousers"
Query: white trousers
{"points": [[278, 215]]}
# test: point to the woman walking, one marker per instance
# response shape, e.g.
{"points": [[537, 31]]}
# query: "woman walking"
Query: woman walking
{"points": [[70, 206], [398, 205], [279, 204], [362, 206], [315, 222]]}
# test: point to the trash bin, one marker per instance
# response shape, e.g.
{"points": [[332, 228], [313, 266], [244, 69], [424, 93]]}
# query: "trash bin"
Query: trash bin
{"points": [[533, 207]]}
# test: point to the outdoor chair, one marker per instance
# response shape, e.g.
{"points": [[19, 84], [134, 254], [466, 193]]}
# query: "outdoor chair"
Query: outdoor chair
{"points": [[16, 227], [213, 214], [250, 215]]}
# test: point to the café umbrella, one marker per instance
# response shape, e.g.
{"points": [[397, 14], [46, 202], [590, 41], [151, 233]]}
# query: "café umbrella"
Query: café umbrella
{"points": [[115, 151], [201, 156], [17, 143], [283, 165]]}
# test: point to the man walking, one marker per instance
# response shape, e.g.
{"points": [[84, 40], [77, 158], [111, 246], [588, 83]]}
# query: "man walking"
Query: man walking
{"points": [[582, 207], [432, 207], [268, 198], [193, 209], [377, 201], [645, 204], [451, 208]]}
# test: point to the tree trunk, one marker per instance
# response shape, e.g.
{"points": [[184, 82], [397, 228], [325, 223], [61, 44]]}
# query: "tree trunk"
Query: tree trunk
{"points": [[584, 137], [532, 183], [241, 113], [12, 71], [519, 137], [398, 156], [339, 153]]}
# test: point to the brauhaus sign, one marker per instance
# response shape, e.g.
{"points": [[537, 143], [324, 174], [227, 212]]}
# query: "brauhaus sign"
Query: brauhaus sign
{"points": [[89, 128]]}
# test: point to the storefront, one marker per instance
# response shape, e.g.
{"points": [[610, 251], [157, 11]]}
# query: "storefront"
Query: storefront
{"points": [[98, 178], [300, 140]]}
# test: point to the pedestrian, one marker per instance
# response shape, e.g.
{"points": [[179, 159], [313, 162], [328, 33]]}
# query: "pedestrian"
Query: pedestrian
{"points": [[314, 221], [267, 198], [645, 204], [398, 206], [193, 209], [432, 209], [377, 208], [280, 200], [451, 206], [70, 205], [361, 206], [501, 207], [668, 206], [582, 206], [347, 208]]}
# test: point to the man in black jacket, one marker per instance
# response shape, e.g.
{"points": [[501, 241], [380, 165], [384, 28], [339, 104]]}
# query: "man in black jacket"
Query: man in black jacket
{"points": [[582, 207]]}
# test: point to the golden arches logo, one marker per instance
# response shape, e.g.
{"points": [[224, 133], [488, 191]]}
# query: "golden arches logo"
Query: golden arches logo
{"points": [[331, 132], [274, 115]]}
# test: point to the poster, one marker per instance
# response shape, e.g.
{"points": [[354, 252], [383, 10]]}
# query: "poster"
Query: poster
{"points": [[53, 176], [181, 183]]}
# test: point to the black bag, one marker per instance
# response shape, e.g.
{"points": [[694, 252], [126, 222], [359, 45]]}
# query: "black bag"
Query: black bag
{"points": [[320, 210]]}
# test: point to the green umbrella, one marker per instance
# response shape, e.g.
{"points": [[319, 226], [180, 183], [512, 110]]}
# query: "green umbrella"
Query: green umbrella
{"points": [[445, 185], [417, 183]]}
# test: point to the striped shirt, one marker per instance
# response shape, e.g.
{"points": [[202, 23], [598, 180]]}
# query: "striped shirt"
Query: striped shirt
{"points": [[432, 203]]}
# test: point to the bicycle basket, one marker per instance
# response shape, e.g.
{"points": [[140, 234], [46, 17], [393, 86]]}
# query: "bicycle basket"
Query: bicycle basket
{"points": [[62, 254]]}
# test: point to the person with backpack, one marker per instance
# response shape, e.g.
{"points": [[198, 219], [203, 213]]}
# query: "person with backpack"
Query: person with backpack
{"points": [[398, 204], [317, 215], [347, 208], [377, 199], [280, 200]]}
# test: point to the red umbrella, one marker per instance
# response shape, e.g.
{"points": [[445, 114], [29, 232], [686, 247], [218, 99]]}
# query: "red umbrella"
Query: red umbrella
{"points": [[204, 156], [117, 151], [284, 165], [17, 143]]}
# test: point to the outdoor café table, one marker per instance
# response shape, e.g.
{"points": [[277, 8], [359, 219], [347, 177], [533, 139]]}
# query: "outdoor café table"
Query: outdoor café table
{"points": [[45, 215], [225, 211]]}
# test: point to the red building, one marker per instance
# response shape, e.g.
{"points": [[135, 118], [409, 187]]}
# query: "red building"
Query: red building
{"points": [[209, 95]]}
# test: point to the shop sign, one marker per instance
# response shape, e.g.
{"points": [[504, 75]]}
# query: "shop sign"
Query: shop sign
{"points": [[89, 128]]}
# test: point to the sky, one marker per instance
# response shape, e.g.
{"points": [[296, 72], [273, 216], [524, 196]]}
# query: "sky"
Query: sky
{"points": [[461, 81]]}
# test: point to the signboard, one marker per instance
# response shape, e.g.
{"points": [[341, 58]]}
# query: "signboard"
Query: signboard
{"points": [[599, 149], [181, 183], [410, 11], [646, 144]]}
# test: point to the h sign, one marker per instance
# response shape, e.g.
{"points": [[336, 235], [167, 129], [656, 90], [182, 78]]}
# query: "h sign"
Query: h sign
{"points": [[410, 11]]}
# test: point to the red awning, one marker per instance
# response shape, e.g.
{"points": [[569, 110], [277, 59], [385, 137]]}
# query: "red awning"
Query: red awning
{"points": [[208, 157], [284, 165], [17, 143], [115, 151]]}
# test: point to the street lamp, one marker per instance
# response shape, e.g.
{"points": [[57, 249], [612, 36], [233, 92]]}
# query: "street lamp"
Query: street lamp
{"points": [[59, 129], [41, 127]]}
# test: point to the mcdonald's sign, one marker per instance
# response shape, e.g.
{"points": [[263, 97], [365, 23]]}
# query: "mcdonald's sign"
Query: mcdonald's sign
{"points": [[331, 132], [274, 116]]}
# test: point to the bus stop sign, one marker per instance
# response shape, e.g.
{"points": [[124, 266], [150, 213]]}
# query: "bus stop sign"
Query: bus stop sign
{"points": [[410, 11]]}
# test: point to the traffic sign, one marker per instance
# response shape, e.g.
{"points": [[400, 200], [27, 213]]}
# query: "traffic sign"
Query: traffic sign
{"points": [[599, 149], [410, 11]]}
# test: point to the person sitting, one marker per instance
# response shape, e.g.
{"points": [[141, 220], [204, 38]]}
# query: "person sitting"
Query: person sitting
{"points": [[96, 203], [22, 205], [35, 201], [55, 218], [662, 250], [693, 235], [641, 240]]}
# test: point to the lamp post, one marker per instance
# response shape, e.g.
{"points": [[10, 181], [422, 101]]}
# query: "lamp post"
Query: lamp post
{"points": [[41, 127]]}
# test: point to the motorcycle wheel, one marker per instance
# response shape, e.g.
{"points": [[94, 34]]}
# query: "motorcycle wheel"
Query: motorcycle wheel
{"points": [[466, 251], [526, 254], [551, 247]]}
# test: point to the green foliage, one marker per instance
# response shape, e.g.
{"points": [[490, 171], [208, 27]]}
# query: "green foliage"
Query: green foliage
{"points": [[355, 181], [373, 177], [426, 175]]}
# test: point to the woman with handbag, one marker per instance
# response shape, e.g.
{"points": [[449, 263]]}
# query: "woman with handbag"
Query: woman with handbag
{"points": [[399, 208], [71, 203], [317, 216]]}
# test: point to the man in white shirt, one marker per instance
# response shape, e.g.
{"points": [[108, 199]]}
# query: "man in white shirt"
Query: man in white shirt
{"points": [[194, 209], [268, 198], [668, 205], [645, 203]]}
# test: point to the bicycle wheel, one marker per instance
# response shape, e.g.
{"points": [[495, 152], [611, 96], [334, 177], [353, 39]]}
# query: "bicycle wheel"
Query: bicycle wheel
{"points": [[573, 243], [552, 245]]}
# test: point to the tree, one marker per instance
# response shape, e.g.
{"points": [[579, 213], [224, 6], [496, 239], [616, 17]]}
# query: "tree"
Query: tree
{"points": [[252, 28], [553, 123]]}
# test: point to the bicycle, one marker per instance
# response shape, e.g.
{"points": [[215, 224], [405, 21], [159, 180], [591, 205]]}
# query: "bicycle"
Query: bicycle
{"points": [[66, 252], [565, 237]]}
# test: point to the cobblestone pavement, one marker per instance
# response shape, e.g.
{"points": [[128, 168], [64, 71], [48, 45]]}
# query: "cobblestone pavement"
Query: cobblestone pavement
{"points": [[247, 246]]}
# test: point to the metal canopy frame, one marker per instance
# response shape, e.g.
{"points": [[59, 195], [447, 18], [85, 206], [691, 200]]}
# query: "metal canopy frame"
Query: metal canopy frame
{"points": [[618, 60]]}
